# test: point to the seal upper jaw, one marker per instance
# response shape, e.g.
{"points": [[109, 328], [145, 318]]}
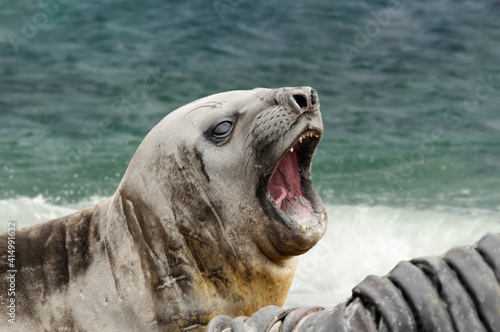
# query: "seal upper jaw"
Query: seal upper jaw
{"points": [[289, 197]]}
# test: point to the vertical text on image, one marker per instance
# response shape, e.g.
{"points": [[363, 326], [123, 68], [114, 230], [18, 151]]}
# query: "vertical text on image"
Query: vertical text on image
{"points": [[11, 271]]}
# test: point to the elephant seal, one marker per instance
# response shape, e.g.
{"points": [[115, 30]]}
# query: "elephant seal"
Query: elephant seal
{"points": [[209, 218], [459, 291]]}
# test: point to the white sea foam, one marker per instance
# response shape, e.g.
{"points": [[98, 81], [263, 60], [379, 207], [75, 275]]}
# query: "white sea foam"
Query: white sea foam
{"points": [[360, 240], [372, 240], [27, 211]]}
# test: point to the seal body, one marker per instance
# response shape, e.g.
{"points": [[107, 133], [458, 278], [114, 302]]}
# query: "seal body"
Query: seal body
{"points": [[209, 218], [457, 292]]}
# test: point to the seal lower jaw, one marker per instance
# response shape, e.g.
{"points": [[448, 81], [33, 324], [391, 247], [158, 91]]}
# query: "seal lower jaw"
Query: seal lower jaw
{"points": [[289, 197]]}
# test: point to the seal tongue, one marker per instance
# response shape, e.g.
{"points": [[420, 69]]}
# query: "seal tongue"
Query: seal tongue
{"points": [[286, 191]]}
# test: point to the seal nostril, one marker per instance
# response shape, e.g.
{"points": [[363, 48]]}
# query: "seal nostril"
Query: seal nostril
{"points": [[314, 97], [300, 100]]}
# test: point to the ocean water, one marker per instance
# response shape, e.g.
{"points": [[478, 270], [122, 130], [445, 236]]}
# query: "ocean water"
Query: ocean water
{"points": [[409, 92]]}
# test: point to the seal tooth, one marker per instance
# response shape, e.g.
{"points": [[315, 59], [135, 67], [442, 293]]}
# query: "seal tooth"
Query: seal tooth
{"points": [[303, 229], [291, 149], [300, 140], [322, 217], [316, 136]]}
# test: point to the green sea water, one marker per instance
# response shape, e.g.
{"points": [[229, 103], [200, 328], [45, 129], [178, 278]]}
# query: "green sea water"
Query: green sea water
{"points": [[409, 92], [377, 108]]}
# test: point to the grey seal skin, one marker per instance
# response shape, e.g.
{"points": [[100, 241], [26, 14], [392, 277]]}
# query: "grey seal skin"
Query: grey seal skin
{"points": [[209, 218], [457, 292]]}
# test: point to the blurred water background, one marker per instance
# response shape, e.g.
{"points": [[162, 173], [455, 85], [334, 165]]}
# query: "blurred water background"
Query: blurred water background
{"points": [[409, 164]]}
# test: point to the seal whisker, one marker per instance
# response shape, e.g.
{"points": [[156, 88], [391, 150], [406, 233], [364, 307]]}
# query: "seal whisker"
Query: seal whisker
{"points": [[207, 105], [256, 95]]}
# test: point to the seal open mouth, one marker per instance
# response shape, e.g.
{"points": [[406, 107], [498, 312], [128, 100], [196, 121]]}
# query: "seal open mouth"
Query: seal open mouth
{"points": [[290, 189]]}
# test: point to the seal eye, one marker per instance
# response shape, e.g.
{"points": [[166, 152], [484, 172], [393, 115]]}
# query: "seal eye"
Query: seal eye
{"points": [[223, 129]]}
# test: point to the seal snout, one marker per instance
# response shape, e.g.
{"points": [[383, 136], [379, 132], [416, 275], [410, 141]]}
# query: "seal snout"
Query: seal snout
{"points": [[300, 100], [304, 100], [314, 97]]}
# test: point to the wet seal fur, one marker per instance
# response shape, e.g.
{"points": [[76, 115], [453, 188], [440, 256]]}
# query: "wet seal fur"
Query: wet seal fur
{"points": [[193, 230], [459, 291]]}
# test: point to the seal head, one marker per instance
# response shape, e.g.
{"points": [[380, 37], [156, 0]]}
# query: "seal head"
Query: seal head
{"points": [[209, 218], [287, 136], [231, 174]]}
